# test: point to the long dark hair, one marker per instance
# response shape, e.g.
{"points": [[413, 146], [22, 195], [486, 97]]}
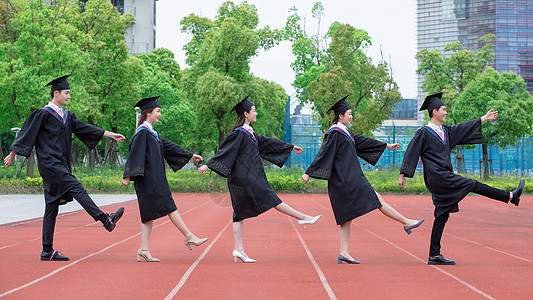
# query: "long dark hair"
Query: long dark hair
{"points": [[335, 121], [144, 115], [240, 120]]}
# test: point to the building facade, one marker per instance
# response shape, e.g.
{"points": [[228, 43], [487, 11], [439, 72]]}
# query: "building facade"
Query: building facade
{"points": [[440, 22], [140, 37]]}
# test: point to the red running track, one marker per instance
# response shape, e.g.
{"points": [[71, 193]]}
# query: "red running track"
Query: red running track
{"points": [[490, 241]]}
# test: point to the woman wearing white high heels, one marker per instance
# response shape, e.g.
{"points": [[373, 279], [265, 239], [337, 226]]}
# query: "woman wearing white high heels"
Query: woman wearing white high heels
{"points": [[350, 193], [146, 167], [239, 159]]}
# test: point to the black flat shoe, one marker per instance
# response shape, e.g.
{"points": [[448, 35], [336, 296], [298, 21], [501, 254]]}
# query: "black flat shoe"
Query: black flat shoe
{"points": [[112, 219], [517, 192], [440, 260], [53, 255], [408, 228], [341, 259]]}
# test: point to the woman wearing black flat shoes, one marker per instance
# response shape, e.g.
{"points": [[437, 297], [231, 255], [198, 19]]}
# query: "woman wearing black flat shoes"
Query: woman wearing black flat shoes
{"points": [[146, 167], [350, 193], [239, 159]]}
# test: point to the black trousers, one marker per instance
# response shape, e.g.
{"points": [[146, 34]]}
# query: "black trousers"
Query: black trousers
{"points": [[440, 221], [52, 209]]}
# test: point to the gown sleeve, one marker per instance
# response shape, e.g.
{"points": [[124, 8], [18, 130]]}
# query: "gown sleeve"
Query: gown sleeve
{"points": [[134, 167], [222, 162], [27, 136], [89, 134], [322, 165], [274, 150], [368, 149], [176, 156], [412, 153], [465, 133]]}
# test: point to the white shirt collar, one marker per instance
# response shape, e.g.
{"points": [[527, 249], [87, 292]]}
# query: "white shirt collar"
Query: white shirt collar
{"points": [[248, 127], [342, 127], [56, 108], [148, 125], [433, 126]]}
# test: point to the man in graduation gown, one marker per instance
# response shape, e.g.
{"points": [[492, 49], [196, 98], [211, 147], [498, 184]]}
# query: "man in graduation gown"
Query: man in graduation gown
{"points": [[50, 130], [433, 144]]}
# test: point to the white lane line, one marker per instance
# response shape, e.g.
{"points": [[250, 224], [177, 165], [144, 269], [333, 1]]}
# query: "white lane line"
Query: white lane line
{"points": [[185, 276], [435, 267], [86, 257], [313, 261], [490, 248]]}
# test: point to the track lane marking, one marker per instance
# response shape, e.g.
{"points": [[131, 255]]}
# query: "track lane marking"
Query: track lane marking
{"points": [[185, 276], [480, 292], [490, 248], [88, 256], [323, 279]]}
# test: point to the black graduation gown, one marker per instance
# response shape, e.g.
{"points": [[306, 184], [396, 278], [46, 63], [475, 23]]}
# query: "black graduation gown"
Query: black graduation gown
{"points": [[146, 168], [239, 159], [446, 187], [350, 193], [52, 140]]}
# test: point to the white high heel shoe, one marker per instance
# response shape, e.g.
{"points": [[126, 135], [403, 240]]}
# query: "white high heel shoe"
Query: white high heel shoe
{"points": [[312, 221], [237, 254]]}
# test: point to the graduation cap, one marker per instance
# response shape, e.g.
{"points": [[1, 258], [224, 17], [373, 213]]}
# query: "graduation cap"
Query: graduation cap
{"points": [[432, 102], [60, 83], [341, 106], [243, 105], [147, 103]]}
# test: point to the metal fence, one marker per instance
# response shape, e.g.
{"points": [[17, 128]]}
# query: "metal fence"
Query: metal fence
{"points": [[517, 159]]}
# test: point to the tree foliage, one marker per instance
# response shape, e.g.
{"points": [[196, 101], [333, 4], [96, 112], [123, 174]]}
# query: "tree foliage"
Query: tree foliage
{"points": [[505, 93], [219, 54], [329, 67]]}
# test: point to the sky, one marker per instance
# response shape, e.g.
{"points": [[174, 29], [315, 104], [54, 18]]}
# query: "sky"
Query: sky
{"points": [[391, 25]]}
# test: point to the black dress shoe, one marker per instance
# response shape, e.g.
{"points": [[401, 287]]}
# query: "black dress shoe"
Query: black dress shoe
{"points": [[341, 259], [517, 192], [112, 219], [440, 260], [53, 255]]}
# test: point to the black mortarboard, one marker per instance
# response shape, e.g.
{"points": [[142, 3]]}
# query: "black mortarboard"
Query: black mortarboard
{"points": [[341, 106], [432, 101], [60, 83], [147, 103], [243, 105]]}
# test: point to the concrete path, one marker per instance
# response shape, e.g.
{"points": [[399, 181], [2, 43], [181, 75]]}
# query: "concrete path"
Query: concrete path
{"points": [[15, 208]]}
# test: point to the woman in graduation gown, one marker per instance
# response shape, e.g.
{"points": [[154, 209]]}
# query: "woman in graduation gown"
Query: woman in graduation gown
{"points": [[145, 166], [239, 159], [433, 144], [350, 193]]}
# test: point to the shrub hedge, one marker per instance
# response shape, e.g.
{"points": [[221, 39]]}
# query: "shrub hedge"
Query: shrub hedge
{"points": [[108, 180]]}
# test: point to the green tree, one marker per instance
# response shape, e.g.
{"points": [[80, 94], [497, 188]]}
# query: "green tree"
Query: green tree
{"points": [[324, 75], [507, 94], [451, 71], [219, 54]]}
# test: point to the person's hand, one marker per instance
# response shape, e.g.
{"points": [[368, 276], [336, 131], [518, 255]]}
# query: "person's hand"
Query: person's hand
{"points": [[298, 150], [305, 178], [491, 115], [394, 147], [401, 181], [8, 160], [126, 181], [202, 169], [197, 158], [116, 136]]}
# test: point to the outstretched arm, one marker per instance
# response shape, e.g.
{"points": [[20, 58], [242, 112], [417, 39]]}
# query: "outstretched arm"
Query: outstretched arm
{"points": [[490, 115], [116, 136]]}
